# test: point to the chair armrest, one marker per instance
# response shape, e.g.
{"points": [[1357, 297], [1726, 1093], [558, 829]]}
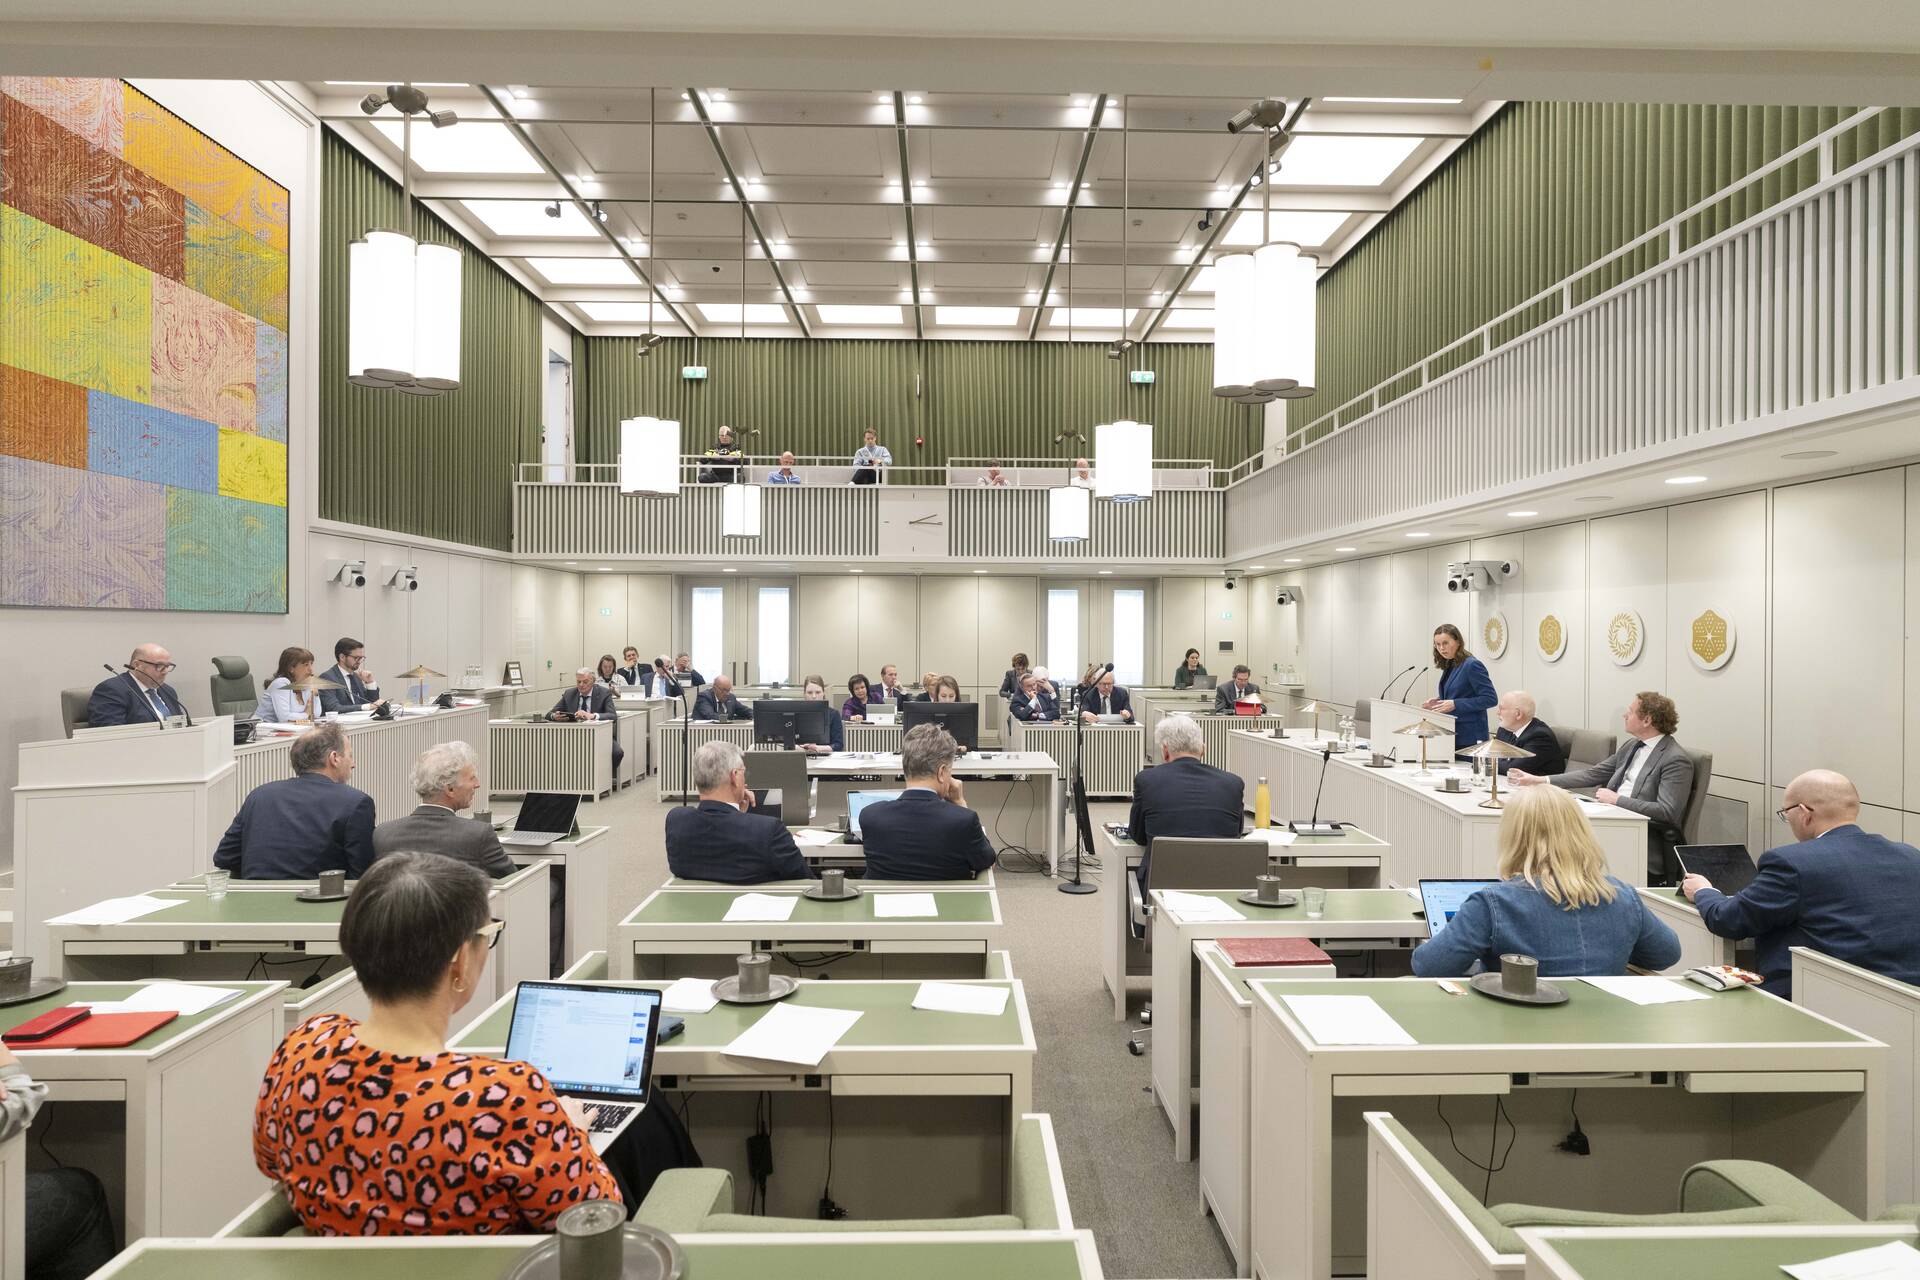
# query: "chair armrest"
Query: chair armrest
{"points": [[1514, 1216], [681, 1199], [1737, 1184], [1136, 902]]}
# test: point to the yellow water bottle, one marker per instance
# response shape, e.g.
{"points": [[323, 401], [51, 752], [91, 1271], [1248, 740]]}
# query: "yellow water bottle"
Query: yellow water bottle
{"points": [[1262, 807]]}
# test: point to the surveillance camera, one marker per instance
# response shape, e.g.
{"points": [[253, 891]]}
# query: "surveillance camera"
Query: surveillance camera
{"points": [[347, 573], [1457, 583], [402, 577], [372, 103], [1230, 584], [552, 210], [1206, 220], [1288, 595], [1240, 120]]}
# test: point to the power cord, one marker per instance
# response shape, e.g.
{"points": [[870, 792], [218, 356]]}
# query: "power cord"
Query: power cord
{"points": [[1575, 1143], [760, 1153], [829, 1211], [43, 1122], [1492, 1166]]}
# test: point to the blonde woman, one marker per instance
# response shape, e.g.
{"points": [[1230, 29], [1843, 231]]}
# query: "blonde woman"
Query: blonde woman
{"points": [[1555, 902]]}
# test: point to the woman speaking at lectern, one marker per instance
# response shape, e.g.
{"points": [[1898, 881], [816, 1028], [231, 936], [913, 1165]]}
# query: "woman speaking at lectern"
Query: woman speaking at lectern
{"points": [[1466, 690]]}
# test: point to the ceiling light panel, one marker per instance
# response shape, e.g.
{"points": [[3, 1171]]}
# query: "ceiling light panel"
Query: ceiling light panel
{"points": [[1401, 102], [583, 270], [1301, 227], [527, 219], [757, 313], [625, 313], [977, 317], [472, 146], [1089, 317], [1188, 319], [830, 314], [1320, 160]]}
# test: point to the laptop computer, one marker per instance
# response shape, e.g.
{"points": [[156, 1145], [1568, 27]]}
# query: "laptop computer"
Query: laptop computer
{"points": [[1443, 899], [544, 817], [591, 1043], [1205, 682], [1727, 867], [858, 800]]}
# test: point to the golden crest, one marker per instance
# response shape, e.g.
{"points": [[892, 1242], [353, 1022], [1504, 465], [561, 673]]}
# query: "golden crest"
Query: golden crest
{"points": [[1493, 634], [1623, 637], [1553, 637], [1710, 640]]}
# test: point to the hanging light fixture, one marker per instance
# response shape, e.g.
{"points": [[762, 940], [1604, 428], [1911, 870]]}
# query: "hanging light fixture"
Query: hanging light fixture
{"points": [[649, 340], [1123, 461], [403, 297], [1263, 345], [650, 456], [1069, 514], [740, 511]]}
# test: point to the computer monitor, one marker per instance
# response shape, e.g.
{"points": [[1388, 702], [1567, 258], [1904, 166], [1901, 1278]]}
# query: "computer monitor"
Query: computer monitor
{"points": [[1727, 867], [588, 1041], [547, 812], [961, 719], [1443, 899], [858, 800], [789, 722]]}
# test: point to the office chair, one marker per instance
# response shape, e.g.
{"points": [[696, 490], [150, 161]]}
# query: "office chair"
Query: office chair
{"points": [[786, 772], [1190, 862], [1697, 799], [73, 709], [1587, 746], [232, 684]]}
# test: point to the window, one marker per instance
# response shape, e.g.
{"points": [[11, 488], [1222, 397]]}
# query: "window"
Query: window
{"points": [[1129, 637], [1063, 636], [776, 661], [705, 641]]}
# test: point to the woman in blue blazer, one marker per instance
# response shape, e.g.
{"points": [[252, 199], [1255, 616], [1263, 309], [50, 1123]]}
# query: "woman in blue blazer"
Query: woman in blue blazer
{"points": [[1466, 690]]}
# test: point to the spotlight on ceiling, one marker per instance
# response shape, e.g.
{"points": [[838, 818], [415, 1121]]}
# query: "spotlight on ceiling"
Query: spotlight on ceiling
{"points": [[648, 341], [1119, 347], [553, 210], [599, 212], [408, 101], [1268, 113]]}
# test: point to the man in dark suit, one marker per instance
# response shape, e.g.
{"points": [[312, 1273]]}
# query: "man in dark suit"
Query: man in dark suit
{"points": [[1840, 890], [1182, 796], [716, 839], [586, 702], [138, 695], [1650, 775], [1106, 699], [445, 777], [1518, 728], [1035, 702], [1240, 689], [716, 702], [928, 833], [350, 669], [298, 827], [661, 681], [635, 671], [683, 671], [888, 690]]}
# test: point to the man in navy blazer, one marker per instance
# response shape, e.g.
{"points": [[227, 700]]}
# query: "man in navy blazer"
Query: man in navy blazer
{"points": [[349, 669], [716, 702], [586, 702], [1035, 701], [1519, 728], [1842, 891], [928, 833], [298, 827], [1105, 699], [138, 695], [716, 839], [1182, 796]]}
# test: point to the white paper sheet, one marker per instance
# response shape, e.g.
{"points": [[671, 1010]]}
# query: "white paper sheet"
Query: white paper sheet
{"points": [[793, 1033], [176, 997], [689, 995], [117, 910], [1196, 907], [1347, 1020], [1648, 990], [1895, 1260], [761, 906], [898, 906], [1274, 835], [955, 997], [807, 837]]}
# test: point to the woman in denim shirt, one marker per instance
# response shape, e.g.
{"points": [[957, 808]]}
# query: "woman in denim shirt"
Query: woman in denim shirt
{"points": [[1555, 902]]}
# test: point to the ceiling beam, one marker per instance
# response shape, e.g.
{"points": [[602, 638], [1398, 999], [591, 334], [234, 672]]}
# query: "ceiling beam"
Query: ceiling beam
{"points": [[906, 206], [1066, 217], [746, 211], [584, 205]]}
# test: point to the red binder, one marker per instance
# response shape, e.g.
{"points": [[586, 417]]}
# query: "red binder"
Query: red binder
{"points": [[1269, 953], [105, 1031]]}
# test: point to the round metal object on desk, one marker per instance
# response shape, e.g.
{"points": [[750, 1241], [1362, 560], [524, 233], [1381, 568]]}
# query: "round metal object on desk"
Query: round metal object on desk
{"points": [[818, 893], [314, 895], [37, 988], [1368, 764], [779, 987], [1544, 992], [1286, 899], [645, 1254]]}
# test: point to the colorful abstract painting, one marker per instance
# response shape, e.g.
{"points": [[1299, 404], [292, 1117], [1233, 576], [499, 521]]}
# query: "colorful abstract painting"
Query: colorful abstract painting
{"points": [[143, 358]]}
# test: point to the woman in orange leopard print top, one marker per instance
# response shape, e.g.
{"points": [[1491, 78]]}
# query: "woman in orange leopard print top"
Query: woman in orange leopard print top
{"points": [[374, 1128]]}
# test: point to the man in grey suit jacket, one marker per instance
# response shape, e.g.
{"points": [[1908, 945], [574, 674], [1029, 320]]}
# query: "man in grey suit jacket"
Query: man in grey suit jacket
{"points": [[1650, 775], [1239, 688], [589, 701]]}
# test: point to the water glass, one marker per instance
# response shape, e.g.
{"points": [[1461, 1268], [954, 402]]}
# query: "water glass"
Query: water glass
{"points": [[217, 884], [1315, 900]]}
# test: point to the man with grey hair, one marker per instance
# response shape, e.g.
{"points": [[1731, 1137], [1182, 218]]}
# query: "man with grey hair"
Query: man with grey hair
{"points": [[717, 839], [298, 827], [445, 777], [928, 833], [1182, 795], [1519, 728], [587, 702]]}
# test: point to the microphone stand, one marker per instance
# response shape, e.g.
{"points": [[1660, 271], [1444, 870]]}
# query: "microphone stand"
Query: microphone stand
{"points": [[686, 745], [1313, 827], [1076, 798]]}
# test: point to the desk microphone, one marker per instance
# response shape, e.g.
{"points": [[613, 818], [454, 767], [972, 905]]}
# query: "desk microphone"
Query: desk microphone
{"points": [[1313, 826], [1396, 680], [1408, 695]]}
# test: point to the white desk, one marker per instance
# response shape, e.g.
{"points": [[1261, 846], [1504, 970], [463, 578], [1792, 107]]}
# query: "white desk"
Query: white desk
{"points": [[1001, 787], [583, 860], [572, 757], [1112, 753], [13, 1207], [383, 752], [674, 754], [1434, 834], [1697, 946]]}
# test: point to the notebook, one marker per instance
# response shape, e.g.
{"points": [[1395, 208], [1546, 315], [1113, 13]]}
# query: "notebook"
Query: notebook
{"points": [[105, 1031], [1263, 953]]}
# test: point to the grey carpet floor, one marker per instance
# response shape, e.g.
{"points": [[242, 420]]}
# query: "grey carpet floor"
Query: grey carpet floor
{"points": [[1116, 1148]]}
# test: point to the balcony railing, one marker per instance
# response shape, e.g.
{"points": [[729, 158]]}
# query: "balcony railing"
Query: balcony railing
{"points": [[959, 472]]}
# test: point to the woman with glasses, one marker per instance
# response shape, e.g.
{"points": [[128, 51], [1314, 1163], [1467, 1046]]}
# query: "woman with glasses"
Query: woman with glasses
{"points": [[374, 1127]]}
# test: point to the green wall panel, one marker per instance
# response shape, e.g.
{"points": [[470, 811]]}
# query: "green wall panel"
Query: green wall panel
{"points": [[439, 467], [969, 399]]}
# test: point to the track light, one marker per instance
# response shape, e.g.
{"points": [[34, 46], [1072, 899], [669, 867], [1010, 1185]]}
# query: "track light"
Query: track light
{"points": [[372, 103], [1119, 347], [599, 213], [408, 101], [552, 210], [648, 341], [443, 119]]}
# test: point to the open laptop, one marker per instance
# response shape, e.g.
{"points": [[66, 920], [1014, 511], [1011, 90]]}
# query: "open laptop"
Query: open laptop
{"points": [[1727, 867], [544, 817], [591, 1043], [1205, 682], [858, 800], [1443, 899]]}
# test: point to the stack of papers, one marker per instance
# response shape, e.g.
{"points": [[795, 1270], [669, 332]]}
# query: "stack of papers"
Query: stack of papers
{"points": [[1195, 907], [960, 997], [895, 906], [1273, 835], [808, 837], [1648, 990], [168, 997], [794, 1033], [117, 910], [1347, 1020], [689, 995], [1895, 1260], [761, 906]]}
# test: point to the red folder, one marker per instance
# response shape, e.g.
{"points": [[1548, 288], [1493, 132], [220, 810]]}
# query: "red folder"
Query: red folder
{"points": [[105, 1031], [1268, 953]]}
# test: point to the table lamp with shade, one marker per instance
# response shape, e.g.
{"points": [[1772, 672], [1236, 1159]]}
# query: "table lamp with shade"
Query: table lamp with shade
{"points": [[1423, 730], [421, 673], [1493, 750], [310, 689]]}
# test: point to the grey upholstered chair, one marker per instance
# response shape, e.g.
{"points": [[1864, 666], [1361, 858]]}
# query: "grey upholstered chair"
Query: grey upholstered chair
{"points": [[1697, 800], [233, 691], [73, 709], [1363, 718], [1587, 746]]}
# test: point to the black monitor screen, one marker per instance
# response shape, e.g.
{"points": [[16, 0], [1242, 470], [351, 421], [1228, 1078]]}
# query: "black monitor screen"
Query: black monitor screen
{"points": [[789, 722], [961, 719]]}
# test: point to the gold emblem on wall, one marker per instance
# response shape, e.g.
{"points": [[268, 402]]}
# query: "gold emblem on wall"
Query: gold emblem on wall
{"points": [[1553, 637], [1710, 640], [1493, 635], [1625, 636]]}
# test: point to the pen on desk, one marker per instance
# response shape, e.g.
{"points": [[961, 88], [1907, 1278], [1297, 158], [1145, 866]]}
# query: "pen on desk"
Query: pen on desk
{"points": [[1449, 986]]}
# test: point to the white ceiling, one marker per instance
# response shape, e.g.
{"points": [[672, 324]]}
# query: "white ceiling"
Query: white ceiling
{"points": [[894, 201]]}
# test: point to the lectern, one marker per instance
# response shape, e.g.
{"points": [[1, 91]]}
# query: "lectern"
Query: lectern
{"points": [[1391, 717], [113, 812]]}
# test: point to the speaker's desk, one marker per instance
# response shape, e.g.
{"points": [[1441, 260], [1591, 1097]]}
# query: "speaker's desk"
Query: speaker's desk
{"points": [[1110, 754], [581, 860], [684, 933], [167, 1121], [574, 757], [1001, 786], [926, 1101], [968, 1255], [1755, 1252], [1434, 834], [1351, 861], [1739, 1074]]}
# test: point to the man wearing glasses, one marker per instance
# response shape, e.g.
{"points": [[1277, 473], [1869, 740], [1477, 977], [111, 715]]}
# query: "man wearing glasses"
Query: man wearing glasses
{"points": [[138, 695]]}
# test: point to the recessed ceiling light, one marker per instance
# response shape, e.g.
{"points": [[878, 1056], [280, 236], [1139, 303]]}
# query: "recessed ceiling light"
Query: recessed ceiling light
{"points": [[729, 571], [1419, 535], [893, 184], [1804, 455], [1686, 479], [473, 146], [1402, 102], [919, 182], [604, 569], [977, 317], [1105, 572], [914, 101], [1346, 548], [926, 244], [779, 244], [1291, 560], [1521, 515], [1089, 317], [1059, 186], [570, 561], [856, 571], [1255, 567], [757, 312], [980, 571], [1322, 160], [1085, 185], [832, 314], [1596, 497], [685, 97], [1080, 100], [718, 95]]}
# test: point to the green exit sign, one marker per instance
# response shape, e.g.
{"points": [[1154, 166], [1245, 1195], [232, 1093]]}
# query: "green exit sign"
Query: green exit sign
{"points": [[694, 372], [605, 612], [1141, 377]]}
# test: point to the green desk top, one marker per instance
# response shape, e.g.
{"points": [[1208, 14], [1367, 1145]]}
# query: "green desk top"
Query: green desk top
{"points": [[1354, 839], [248, 906], [1720, 1256], [15, 1014], [888, 1018], [944, 1257], [1432, 1016], [688, 906], [1343, 906]]}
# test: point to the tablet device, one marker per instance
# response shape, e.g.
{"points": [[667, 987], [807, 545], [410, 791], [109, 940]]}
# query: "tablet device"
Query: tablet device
{"points": [[1727, 867]]}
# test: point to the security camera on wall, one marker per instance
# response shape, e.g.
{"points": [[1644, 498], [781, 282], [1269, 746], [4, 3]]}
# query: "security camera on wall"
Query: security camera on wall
{"points": [[1233, 578], [1287, 595], [401, 577], [347, 573], [1479, 575]]}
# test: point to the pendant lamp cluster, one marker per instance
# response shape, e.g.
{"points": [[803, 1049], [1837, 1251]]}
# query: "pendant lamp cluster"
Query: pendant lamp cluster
{"points": [[1263, 318], [403, 310]]}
